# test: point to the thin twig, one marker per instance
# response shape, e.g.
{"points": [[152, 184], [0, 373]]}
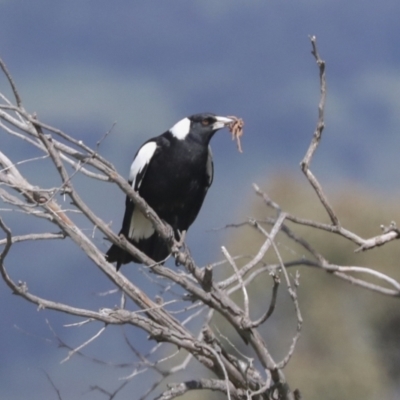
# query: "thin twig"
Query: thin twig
{"points": [[53, 385], [240, 280], [11, 82], [261, 253], [34, 236], [272, 304], [293, 294], [74, 351], [305, 164]]}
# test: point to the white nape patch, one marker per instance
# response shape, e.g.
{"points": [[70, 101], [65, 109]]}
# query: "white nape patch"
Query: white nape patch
{"points": [[181, 129], [141, 227], [210, 166], [142, 159]]}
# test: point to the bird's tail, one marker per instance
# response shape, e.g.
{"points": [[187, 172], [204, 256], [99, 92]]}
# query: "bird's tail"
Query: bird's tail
{"points": [[118, 255], [154, 247]]}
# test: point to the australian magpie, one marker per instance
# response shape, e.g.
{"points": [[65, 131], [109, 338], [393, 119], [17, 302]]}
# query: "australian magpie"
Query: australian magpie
{"points": [[172, 172]]}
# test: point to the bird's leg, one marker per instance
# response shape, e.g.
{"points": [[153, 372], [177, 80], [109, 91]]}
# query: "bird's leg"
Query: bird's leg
{"points": [[182, 237], [180, 242]]}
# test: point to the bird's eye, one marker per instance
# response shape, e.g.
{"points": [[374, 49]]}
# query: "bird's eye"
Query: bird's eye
{"points": [[205, 122]]}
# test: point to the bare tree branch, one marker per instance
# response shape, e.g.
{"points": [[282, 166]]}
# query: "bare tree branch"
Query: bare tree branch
{"points": [[305, 164], [191, 293]]}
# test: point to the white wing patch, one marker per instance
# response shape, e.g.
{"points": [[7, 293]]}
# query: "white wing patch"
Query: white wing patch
{"points": [[141, 227], [181, 129], [142, 159], [210, 167]]}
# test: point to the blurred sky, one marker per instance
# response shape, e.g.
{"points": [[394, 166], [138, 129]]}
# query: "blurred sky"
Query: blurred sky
{"points": [[83, 65]]}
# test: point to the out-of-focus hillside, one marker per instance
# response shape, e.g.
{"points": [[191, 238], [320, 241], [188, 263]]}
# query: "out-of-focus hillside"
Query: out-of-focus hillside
{"points": [[350, 337]]}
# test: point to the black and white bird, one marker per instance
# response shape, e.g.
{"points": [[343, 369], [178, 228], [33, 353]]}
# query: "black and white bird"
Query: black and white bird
{"points": [[172, 172]]}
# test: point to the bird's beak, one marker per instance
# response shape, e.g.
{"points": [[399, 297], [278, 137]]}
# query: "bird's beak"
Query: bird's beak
{"points": [[221, 122]]}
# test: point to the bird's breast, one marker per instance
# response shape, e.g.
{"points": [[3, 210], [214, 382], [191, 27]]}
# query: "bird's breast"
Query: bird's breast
{"points": [[175, 178]]}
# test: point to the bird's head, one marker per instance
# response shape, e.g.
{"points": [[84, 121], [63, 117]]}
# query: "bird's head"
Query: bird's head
{"points": [[199, 125]]}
